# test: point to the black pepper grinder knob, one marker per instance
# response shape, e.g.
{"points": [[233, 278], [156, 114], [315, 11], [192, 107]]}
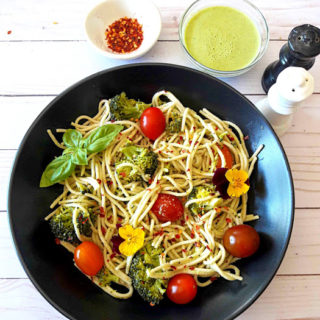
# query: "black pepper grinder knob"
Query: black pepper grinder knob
{"points": [[300, 51]]}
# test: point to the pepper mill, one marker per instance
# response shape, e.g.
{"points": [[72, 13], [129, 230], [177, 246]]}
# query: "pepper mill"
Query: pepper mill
{"points": [[293, 85], [300, 51]]}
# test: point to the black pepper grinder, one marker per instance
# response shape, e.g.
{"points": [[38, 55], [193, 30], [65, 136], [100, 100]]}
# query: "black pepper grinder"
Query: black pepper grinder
{"points": [[300, 51]]}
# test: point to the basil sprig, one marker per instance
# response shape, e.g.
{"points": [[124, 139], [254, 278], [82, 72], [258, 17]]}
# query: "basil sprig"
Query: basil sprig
{"points": [[77, 152]]}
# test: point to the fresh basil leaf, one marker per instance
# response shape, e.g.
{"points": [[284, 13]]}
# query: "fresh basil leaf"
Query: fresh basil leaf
{"points": [[100, 138], [78, 155], [57, 170], [72, 138]]}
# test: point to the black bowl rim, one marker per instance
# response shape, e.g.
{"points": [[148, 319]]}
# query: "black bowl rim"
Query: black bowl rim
{"points": [[259, 291]]}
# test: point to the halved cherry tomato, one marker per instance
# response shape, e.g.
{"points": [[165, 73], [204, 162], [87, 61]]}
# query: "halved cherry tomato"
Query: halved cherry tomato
{"points": [[152, 122], [167, 208], [182, 288], [227, 155], [89, 258], [241, 241]]}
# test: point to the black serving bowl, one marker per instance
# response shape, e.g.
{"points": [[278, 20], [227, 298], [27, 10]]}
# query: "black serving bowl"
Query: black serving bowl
{"points": [[50, 267]]}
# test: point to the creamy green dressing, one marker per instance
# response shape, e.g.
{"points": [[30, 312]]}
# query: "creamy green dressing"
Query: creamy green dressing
{"points": [[222, 38]]}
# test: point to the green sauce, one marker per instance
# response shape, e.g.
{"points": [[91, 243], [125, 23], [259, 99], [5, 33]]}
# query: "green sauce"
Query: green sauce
{"points": [[222, 38]]}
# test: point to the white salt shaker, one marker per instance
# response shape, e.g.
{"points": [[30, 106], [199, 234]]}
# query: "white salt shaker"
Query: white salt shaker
{"points": [[293, 86]]}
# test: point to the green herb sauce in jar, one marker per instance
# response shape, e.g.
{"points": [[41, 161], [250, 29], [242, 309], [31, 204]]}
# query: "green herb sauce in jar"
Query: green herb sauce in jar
{"points": [[222, 38]]}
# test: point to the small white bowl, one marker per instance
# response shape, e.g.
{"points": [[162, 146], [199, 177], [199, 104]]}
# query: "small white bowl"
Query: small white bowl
{"points": [[105, 13]]}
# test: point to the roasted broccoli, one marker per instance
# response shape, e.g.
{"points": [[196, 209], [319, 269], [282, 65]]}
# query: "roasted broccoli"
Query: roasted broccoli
{"points": [[174, 125], [150, 289], [144, 160], [123, 108], [62, 226], [105, 277], [201, 192]]}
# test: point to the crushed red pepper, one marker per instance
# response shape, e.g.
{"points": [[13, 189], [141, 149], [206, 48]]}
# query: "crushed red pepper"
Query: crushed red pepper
{"points": [[124, 35]]}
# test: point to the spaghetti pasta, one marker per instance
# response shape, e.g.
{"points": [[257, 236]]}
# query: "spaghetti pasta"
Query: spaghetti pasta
{"points": [[187, 159]]}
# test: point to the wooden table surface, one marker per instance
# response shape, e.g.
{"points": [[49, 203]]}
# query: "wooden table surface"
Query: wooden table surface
{"points": [[46, 52]]}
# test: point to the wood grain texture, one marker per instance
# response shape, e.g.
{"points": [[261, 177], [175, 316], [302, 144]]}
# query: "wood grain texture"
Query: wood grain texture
{"points": [[285, 298], [61, 64], [302, 257], [70, 15]]}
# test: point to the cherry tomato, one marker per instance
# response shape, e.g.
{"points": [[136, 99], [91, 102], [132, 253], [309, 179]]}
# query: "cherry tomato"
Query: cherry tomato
{"points": [[227, 155], [88, 258], [167, 208], [241, 241], [152, 122], [182, 288]]}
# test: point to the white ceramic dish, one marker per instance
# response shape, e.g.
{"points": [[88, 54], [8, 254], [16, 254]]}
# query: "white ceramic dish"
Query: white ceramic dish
{"points": [[105, 13]]}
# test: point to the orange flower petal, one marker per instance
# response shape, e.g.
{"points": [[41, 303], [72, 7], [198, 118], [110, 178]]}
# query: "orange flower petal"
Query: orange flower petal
{"points": [[235, 174], [234, 191]]}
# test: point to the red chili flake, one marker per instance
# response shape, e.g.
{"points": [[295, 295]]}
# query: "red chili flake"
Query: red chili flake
{"points": [[181, 138], [194, 128], [143, 252], [150, 181], [101, 209], [182, 222], [57, 241], [163, 278], [216, 128], [197, 228], [130, 139], [118, 225], [196, 142], [9, 32], [190, 141], [184, 266], [184, 250], [120, 219], [159, 233], [148, 189], [109, 218], [103, 230], [99, 181], [228, 220], [246, 138], [123, 174], [177, 236], [102, 215], [192, 235], [188, 170], [158, 182], [109, 183], [142, 228], [208, 248], [173, 267], [213, 279], [173, 239], [124, 35], [210, 161], [191, 268], [187, 218], [112, 255]]}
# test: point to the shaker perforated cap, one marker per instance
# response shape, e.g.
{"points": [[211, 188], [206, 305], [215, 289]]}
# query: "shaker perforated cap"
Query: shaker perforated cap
{"points": [[305, 40]]}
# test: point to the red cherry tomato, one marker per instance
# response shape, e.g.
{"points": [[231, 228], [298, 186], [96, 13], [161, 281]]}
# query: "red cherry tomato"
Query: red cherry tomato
{"points": [[89, 258], [167, 208], [241, 241], [182, 288], [152, 122]]}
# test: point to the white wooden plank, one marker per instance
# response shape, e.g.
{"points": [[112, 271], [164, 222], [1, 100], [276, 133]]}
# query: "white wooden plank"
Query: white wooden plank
{"points": [[51, 67], [287, 297], [70, 15], [302, 143], [10, 266], [302, 257]]}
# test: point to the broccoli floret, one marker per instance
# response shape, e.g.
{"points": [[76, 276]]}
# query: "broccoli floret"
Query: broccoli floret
{"points": [[145, 160], [174, 125], [200, 192], [123, 108], [105, 277], [128, 173], [150, 289], [62, 226], [84, 224]]}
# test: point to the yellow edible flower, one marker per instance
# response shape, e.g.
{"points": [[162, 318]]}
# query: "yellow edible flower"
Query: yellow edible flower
{"points": [[134, 239], [237, 185]]}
